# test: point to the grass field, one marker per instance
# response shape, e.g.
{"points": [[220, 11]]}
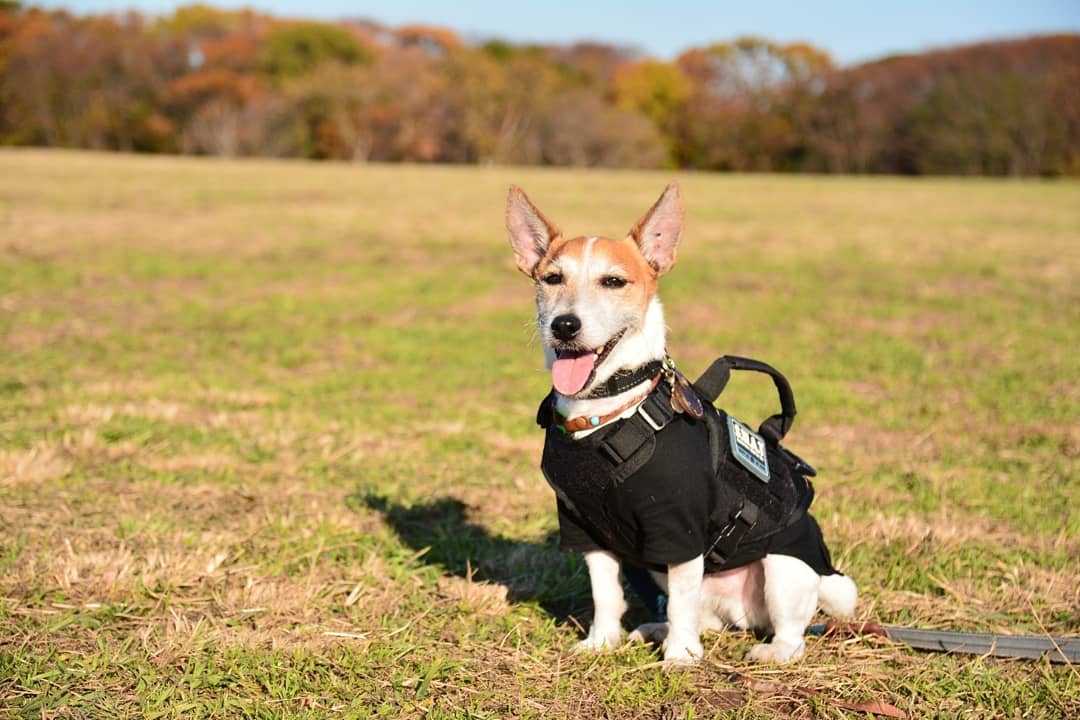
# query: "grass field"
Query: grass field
{"points": [[267, 443]]}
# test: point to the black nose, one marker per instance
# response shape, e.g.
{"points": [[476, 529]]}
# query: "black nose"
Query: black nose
{"points": [[565, 327]]}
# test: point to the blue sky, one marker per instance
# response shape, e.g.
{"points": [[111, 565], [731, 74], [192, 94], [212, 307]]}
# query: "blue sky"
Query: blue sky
{"points": [[851, 30]]}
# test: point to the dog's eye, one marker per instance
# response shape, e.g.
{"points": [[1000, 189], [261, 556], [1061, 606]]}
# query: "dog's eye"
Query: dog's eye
{"points": [[612, 282], [553, 278]]}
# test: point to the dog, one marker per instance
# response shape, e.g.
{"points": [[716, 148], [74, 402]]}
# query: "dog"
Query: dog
{"points": [[601, 323]]}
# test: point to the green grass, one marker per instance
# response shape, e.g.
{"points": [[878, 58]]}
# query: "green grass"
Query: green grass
{"points": [[266, 439]]}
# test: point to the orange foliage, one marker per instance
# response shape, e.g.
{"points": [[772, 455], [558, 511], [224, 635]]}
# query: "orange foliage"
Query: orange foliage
{"points": [[202, 85], [238, 50], [430, 38], [237, 82]]}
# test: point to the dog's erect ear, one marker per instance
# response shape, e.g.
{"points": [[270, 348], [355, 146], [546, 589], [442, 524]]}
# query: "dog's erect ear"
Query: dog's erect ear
{"points": [[657, 232], [530, 232]]}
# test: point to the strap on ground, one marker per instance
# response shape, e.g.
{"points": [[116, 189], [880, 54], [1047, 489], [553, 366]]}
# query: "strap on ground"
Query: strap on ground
{"points": [[1055, 649]]}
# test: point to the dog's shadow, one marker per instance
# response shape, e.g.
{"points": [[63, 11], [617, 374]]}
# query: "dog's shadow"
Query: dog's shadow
{"points": [[532, 572]]}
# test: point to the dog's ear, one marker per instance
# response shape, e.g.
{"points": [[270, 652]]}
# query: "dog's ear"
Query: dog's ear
{"points": [[658, 231], [530, 232]]}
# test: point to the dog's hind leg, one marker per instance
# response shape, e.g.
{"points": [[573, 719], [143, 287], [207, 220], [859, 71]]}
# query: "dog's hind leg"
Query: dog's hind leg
{"points": [[608, 601], [837, 595], [791, 598]]}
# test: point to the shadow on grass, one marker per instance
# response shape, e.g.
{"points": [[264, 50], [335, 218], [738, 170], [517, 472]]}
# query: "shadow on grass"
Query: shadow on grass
{"points": [[532, 571]]}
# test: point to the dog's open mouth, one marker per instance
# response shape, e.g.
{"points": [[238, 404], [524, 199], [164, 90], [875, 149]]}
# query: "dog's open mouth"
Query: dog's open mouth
{"points": [[573, 370]]}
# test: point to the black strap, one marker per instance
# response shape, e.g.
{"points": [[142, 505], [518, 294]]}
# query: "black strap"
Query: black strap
{"points": [[652, 416], [712, 383], [631, 433], [544, 414], [624, 379], [741, 522]]}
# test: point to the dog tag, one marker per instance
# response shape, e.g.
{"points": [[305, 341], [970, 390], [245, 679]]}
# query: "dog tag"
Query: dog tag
{"points": [[684, 399]]}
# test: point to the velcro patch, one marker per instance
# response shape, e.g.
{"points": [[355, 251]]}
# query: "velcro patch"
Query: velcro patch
{"points": [[749, 449]]}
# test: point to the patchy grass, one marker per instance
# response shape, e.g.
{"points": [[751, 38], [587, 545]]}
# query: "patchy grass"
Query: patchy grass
{"points": [[266, 441]]}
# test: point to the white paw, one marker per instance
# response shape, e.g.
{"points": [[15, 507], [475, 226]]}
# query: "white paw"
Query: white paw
{"points": [[600, 640], [655, 633], [776, 652], [685, 651]]}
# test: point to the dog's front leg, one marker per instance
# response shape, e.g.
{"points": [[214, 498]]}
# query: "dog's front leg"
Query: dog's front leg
{"points": [[608, 602], [683, 642]]}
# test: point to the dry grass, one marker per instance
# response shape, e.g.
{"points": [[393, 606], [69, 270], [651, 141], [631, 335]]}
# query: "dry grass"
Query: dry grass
{"points": [[266, 445]]}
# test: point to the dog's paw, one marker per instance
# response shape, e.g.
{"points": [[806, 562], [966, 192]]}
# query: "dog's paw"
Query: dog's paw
{"points": [[651, 633], [680, 652], [776, 652], [600, 640]]}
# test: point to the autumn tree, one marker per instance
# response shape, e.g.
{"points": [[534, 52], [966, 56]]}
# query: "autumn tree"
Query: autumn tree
{"points": [[434, 41], [657, 90], [89, 83], [499, 102], [393, 110], [585, 131], [746, 108], [1000, 107], [237, 82], [297, 48], [592, 64]]}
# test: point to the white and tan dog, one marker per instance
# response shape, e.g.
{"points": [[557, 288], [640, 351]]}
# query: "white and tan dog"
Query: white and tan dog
{"points": [[598, 312]]}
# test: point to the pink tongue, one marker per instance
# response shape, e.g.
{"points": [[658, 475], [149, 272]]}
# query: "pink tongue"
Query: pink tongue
{"points": [[569, 374]]}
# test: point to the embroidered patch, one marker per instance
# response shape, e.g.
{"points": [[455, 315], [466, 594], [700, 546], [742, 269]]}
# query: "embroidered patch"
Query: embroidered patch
{"points": [[749, 449]]}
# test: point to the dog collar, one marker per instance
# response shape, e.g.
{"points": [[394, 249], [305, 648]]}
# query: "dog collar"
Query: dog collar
{"points": [[584, 422], [625, 379]]}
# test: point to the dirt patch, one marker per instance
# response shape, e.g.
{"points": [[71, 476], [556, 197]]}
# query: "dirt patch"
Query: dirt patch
{"points": [[93, 310], [914, 326], [499, 298], [864, 441], [868, 390]]}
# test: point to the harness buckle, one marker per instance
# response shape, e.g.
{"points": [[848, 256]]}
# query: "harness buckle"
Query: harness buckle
{"points": [[731, 534], [656, 425]]}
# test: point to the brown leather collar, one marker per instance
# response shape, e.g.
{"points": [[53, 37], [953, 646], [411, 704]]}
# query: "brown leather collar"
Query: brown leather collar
{"points": [[573, 425]]}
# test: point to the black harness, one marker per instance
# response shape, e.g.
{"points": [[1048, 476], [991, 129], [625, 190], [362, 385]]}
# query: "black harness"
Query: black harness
{"points": [[758, 490]]}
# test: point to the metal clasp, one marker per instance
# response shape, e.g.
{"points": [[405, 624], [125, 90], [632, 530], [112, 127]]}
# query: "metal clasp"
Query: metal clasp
{"points": [[657, 426]]}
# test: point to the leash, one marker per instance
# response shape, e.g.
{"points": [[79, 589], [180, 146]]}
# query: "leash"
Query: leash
{"points": [[1033, 647]]}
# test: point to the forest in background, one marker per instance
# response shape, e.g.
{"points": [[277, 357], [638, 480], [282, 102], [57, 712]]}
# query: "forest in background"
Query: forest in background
{"points": [[208, 81]]}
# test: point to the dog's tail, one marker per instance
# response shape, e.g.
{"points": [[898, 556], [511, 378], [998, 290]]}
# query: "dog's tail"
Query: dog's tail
{"points": [[837, 595]]}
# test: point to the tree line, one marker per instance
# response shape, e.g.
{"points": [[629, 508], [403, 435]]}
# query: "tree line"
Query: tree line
{"points": [[241, 83]]}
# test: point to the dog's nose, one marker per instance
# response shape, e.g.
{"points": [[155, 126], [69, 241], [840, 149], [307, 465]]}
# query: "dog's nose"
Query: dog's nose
{"points": [[565, 327]]}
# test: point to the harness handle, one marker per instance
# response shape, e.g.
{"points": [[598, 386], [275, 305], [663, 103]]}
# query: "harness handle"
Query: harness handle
{"points": [[713, 381]]}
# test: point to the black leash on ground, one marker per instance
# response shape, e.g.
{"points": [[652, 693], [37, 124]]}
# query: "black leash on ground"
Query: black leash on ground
{"points": [[1054, 649]]}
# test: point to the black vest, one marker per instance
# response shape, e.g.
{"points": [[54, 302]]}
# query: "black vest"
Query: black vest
{"points": [[745, 514]]}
